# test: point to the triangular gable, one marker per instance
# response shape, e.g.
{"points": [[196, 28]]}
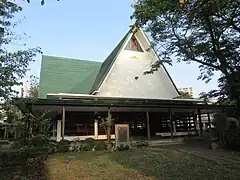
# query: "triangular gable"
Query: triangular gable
{"points": [[165, 69], [107, 64], [133, 45], [110, 61]]}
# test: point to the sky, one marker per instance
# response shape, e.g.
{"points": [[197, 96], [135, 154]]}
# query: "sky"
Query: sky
{"points": [[87, 30]]}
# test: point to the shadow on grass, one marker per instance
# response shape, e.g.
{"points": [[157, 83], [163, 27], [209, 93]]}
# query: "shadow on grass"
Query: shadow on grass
{"points": [[36, 171], [170, 164]]}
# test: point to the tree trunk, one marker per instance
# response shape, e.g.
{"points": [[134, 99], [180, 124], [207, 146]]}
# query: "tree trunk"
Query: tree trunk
{"points": [[5, 132], [108, 134]]}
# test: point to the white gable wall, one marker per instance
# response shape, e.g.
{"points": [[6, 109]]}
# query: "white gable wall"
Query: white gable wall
{"points": [[121, 81]]}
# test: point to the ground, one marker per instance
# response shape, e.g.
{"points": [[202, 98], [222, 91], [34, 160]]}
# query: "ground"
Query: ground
{"points": [[149, 163], [159, 162]]}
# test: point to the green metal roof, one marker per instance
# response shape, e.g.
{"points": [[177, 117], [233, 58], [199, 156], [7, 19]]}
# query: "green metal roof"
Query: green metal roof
{"points": [[107, 64], [118, 102], [65, 75]]}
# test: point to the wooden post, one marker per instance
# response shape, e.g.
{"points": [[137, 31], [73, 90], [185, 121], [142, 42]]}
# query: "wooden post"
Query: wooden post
{"points": [[148, 126], [59, 130], [200, 121], [5, 132], [63, 121], [171, 122], [209, 120], [195, 122], [95, 129]]}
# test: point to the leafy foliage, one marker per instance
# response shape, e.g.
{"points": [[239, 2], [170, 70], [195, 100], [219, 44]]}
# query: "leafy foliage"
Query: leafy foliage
{"points": [[63, 146], [33, 90], [13, 118], [34, 149], [203, 31], [227, 131], [100, 145], [122, 147], [184, 95], [41, 1], [141, 144], [13, 65]]}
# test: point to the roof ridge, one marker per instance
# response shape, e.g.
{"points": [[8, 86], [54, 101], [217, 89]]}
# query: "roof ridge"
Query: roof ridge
{"points": [[68, 58]]}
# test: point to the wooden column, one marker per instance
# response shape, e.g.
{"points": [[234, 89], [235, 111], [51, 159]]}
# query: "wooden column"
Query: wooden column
{"points": [[209, 120], [63, 121], [171, 122], [59, 130], [200, 121], [195, 122], [148, 126], [95, 129], [5, 132]]}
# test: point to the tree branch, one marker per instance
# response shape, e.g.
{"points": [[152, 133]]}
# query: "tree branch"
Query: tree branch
{"points": [[191, 56]]}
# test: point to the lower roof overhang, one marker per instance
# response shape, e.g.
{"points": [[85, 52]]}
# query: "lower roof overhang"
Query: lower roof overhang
{"points": [[94, 103]]}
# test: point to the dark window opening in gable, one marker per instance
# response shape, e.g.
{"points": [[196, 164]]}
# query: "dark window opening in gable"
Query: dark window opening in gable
{"points": [[133, 45]]}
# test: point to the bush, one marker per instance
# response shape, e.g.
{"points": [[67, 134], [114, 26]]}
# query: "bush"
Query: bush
{"points": [[141, 144], [88, 144], [39, 141], [76, 146], [100, 145], [232, 139], [23, 155], [63, 146], [122, 147], [89, 140]]}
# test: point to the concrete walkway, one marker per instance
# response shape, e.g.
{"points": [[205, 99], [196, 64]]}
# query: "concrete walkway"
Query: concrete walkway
{"points": [[231, 159]]}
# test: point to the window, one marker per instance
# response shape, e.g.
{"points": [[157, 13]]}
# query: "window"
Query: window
{"points": [[133, 45]]}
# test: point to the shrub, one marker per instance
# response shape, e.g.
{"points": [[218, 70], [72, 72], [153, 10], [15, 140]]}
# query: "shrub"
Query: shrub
{"points": [[141, 144], [232, 139], [76, 146], [88, 144], [23, 155], [52, 146], [39, 141], [63, 146], [122, 147], [89, 140], [100, 145]]}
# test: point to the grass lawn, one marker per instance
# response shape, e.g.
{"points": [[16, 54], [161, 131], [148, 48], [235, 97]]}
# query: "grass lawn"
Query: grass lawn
{"points": [[140, 164]]}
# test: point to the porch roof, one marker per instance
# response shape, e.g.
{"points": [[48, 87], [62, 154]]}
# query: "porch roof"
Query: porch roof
{"points": [[97, 101]]}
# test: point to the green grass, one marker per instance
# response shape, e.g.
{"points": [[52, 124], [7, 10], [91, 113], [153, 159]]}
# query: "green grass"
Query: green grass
{"points": [[140, 164]]}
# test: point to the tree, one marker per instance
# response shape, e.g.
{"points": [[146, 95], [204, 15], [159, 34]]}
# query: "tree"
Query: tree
{"points": [[184, 95], [13, 65], [33, 90], [41, 1], [13, 123], [203, 31]]}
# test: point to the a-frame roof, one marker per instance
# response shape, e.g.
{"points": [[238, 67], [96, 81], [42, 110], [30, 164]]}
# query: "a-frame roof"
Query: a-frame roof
{"points": [[107, 64], [64, 75]]}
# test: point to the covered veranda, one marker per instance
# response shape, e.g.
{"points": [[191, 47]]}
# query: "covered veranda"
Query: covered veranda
{"points": [[80, 116]]}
